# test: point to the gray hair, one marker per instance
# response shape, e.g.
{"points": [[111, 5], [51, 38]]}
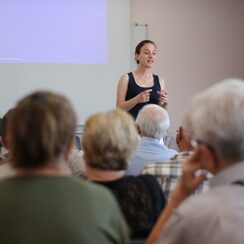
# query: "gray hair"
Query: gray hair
{"points": [[153, 121], [218, 119]]}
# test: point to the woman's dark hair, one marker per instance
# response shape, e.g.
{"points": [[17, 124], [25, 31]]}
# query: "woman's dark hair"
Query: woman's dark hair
{"points": [[140, 45], [41, 129]]}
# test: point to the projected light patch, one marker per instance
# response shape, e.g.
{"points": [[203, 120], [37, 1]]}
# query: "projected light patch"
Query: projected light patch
{"points": [[53, 31]]}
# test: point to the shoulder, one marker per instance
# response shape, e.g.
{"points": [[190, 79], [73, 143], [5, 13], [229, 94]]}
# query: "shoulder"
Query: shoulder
{"points": [[204, 211], [141, 180], [150, 182], [208, 201], [191, 208], [171, 152], [146, 186], [191, 211], [93, 190], [123, 82], [124, 77], [147, 179]]}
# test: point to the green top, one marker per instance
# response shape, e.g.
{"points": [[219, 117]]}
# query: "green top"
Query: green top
{"points": [[58, 209]]}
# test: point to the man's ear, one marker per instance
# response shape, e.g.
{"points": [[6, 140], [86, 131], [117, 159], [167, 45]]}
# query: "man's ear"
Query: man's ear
{"points": [[179, 135], [1, 141], [208, 158], [179, 139]]}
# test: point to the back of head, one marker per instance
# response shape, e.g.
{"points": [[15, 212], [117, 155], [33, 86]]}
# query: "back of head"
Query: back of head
{"points": [[41, 129], [153, 121], [109, 140], [3, 127], [218, 117]]}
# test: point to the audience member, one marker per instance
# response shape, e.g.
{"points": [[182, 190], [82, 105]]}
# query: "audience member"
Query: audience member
{"points": [[0, 135], [169, 172], [5, 154], [6, 169], [43, 203], [217, 117], [109, 139], [152, 124], [75, 160]]}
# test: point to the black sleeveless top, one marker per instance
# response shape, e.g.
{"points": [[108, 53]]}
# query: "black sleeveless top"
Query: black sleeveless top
{"points": [[141, 200], [133, 90]]}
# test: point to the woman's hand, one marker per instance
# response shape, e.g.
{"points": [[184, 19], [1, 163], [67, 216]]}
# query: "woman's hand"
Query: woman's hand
{"points": [[163, 98], [144, 96]]}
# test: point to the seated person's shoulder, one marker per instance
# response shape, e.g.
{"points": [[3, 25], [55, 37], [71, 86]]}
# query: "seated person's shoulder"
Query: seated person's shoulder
{"points": [[141, 180], [148, 179], [145, 184]]}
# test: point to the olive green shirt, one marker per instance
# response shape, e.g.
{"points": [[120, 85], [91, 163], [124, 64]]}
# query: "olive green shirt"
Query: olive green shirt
{"points": [[56, 210]]}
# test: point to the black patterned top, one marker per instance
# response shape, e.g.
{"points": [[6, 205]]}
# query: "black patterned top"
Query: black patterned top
{"points": [[141, 200]]}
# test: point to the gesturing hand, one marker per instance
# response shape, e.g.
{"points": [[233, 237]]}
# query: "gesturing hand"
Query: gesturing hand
{"points": [[163, 98], [144, 96]]}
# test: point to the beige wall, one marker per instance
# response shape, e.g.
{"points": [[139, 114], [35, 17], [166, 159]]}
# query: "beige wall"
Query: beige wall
{"points": [[199, 42]]}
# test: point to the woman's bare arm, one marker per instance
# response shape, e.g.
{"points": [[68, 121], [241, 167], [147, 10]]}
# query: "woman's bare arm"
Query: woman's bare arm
{"points": [[121, 93]]}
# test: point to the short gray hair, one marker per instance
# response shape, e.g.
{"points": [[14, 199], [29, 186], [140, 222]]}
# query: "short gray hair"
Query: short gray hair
{"points": [[153, 121], [218, 118]]}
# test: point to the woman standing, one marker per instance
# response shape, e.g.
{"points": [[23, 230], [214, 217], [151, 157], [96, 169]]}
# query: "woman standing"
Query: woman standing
{"points": [[140, 87]]}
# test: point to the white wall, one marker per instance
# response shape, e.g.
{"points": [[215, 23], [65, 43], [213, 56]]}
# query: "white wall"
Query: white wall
{"points": [[90, 87], [199, 42]]}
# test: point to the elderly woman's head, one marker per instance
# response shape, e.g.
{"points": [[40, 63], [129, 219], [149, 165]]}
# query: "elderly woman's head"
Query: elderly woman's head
{"points": [[41, 129], [109, 140]]}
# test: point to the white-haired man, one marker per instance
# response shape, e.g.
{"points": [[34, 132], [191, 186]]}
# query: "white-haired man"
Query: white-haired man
{"points": [[217, 117], [169, 172], [152, 123]]}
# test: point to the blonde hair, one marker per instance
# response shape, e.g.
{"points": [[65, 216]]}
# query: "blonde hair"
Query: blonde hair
{"points": [[109, 140]]}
